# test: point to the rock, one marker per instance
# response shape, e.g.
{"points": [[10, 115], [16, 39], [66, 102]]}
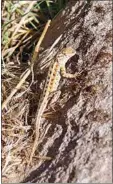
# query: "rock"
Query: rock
{"points": [[79, 140]]}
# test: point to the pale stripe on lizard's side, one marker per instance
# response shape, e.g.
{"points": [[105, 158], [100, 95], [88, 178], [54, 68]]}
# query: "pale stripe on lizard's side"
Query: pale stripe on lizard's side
{"points": [[57, 68]]}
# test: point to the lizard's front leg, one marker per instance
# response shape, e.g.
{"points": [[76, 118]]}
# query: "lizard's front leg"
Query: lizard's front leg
{"points": [[65, 74]]}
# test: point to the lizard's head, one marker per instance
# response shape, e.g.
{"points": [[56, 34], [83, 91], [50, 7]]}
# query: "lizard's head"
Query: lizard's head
{"points": [[66, 53], [69, 51]]}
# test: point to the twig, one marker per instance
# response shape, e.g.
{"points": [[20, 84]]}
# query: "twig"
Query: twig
{"points": [[35, 54]]}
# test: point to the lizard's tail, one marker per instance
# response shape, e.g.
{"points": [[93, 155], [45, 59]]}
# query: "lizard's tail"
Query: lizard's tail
{"points": [[38, 121], [36, 141]]}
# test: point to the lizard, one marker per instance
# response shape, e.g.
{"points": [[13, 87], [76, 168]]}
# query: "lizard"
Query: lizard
{"points": [[56, 70]]}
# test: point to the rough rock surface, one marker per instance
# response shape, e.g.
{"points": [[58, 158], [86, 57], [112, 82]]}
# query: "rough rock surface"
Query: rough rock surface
{"points": [[79, 140]]}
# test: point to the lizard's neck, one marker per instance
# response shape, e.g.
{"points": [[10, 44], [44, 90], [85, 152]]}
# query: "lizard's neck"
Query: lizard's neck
{"points": [[61, 58]]}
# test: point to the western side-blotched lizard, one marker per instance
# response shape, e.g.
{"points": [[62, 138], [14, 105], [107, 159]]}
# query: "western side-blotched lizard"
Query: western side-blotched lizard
{"points": [[56, 70]]}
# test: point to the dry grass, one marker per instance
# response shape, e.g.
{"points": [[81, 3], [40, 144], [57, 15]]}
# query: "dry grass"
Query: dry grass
{"points": [[23, 23]]}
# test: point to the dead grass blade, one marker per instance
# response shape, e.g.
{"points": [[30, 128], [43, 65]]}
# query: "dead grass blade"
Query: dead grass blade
{"points": [[23, 19], [35, 54]]}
